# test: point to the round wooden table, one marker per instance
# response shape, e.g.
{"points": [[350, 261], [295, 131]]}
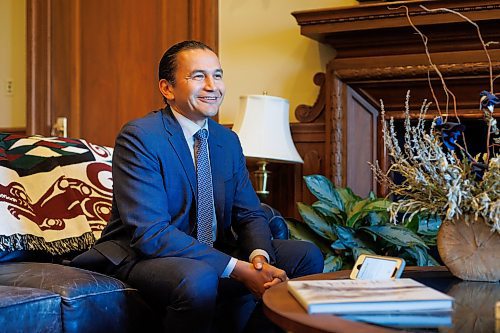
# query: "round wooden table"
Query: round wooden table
{"points": [[282, 308]]}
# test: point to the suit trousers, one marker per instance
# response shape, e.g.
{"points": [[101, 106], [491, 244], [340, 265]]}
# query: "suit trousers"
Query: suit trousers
{"points": [[192, 297]]}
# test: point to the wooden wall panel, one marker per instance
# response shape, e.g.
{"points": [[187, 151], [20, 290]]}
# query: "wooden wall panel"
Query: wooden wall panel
{"points": [[119, 68], [64, 74], [95, 62], [361, 144]]}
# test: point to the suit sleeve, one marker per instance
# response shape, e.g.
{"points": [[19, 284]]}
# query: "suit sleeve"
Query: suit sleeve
{"points": [[249, 221], [142, 202]]}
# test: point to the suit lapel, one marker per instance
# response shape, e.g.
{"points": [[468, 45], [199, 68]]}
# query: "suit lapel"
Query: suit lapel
{"points": [[179, 144], [217, 158]]}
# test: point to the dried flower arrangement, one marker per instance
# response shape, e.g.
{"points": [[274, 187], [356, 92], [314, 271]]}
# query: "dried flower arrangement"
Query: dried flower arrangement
{"points": [[442, 178]]}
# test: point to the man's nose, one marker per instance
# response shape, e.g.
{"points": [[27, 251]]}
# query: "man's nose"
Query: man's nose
{"points": [[209, 83]]}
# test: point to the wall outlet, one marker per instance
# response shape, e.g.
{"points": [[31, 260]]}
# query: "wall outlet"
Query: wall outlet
{"points": [[9, 87]]}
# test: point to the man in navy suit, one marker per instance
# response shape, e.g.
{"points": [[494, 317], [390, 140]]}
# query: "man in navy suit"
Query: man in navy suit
{"points": [[151, 240]]}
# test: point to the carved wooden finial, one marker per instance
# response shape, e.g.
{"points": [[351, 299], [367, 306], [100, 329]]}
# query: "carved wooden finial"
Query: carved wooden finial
{"points": [[306, 113]]}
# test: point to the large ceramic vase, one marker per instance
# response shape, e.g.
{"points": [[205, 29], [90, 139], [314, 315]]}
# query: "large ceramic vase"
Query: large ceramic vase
{"points": [[469, 249]]}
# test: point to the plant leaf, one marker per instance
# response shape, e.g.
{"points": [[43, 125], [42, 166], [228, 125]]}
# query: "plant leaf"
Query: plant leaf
{"points": [[347, 195], [357, 251], [365, 207], [316, 222], [413, 223], [372, 196], [429, 225], [332, 212], [421, 256], [348, 237], [338, 245], [379, 205], [396, 234], [378, 218], [356, 213], [323, 189], [332, 264], [300, 231], [431, 261]]}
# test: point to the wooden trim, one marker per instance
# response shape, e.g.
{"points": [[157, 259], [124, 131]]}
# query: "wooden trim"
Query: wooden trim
{"points": [[204, 22], [13, 130], [38, 79], [336, 135], [75, 90], [377, 15], [415, 72], [382, 28]]}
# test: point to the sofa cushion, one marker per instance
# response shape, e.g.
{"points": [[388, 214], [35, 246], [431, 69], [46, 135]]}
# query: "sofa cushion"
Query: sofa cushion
{"points": [[55, 195], [29, 310], [90, 302]]}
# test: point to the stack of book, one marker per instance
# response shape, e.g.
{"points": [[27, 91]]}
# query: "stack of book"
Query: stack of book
{"points": [[399, 303]]}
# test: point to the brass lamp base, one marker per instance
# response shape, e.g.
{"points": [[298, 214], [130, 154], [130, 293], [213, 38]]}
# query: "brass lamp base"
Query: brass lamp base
{"points": [[262, 176]]}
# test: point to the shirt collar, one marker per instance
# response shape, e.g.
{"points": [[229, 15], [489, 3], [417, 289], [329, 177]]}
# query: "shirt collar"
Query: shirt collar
{"points": [[189, 127]]}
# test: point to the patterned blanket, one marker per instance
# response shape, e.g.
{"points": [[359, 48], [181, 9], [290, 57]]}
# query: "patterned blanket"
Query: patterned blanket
{"points": [[55, 193]]}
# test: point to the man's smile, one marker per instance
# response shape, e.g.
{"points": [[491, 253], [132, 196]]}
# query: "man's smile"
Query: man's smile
{"points": [[209, 99]]}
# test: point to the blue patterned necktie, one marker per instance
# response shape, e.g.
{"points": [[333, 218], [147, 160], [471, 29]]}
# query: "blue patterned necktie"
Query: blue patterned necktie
{"points": [[205, 205]]}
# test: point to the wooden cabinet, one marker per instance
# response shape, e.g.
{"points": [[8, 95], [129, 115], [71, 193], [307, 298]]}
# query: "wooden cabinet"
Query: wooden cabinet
{"points": [[379, 56]]}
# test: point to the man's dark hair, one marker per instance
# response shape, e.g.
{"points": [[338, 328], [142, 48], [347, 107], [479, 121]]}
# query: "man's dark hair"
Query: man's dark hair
{"points": [[168, 63]]}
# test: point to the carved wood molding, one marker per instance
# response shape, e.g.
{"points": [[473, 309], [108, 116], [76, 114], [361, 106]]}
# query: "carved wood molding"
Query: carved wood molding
{"points": [[308, 114], [414, 71], [378, 29], [337, 141], [415, 10]]}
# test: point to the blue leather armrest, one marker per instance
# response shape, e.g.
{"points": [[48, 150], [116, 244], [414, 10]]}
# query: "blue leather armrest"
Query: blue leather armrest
{"points": [[277, 224]]}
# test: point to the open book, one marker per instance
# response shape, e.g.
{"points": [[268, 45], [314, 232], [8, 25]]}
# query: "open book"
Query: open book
{"points": [[366, 296]]}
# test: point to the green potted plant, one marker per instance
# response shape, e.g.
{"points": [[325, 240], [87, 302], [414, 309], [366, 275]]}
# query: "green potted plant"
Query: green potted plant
{"points": [[344, 226]]}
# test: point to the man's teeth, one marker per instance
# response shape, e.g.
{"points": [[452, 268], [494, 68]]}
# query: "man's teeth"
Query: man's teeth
{"points": [[209, 98]]}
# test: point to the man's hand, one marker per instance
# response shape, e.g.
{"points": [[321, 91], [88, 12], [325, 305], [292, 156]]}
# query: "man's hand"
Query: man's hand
{"points": [[278, 275], [258, 280], [250, 277], [258, 262]]}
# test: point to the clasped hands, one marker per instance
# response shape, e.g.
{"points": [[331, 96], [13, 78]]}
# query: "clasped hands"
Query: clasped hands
{"points": [[258, 275]]}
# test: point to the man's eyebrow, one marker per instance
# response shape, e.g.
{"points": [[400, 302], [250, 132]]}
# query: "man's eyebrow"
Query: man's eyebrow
{"points": [[218, 70]]}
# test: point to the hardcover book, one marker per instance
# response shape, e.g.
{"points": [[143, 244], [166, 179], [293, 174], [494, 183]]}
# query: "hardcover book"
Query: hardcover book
{"points": [[367, 296], [413, 319]]}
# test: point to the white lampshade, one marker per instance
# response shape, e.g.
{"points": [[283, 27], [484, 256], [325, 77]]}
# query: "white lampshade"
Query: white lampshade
{"points": [[264, 130]]}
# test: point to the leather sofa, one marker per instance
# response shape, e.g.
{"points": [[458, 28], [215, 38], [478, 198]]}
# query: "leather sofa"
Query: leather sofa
{"points": [[54, 201]]}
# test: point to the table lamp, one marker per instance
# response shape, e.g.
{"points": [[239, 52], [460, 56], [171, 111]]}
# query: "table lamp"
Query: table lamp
{"points": [[264, 131]]}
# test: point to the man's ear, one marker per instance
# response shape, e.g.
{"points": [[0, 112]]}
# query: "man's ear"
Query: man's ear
{"points": [[166, 89]]}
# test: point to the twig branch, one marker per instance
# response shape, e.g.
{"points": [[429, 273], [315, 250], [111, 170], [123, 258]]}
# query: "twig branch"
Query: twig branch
{"points": [[434, 95], [485, 46], [436, 69]]}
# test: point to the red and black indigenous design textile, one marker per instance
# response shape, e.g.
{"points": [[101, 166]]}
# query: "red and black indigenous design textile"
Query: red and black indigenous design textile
{"points": [[55, 193]]}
